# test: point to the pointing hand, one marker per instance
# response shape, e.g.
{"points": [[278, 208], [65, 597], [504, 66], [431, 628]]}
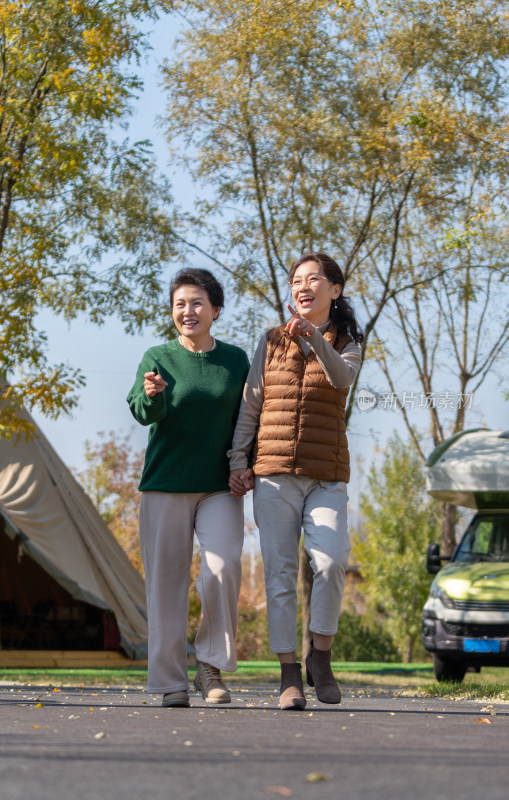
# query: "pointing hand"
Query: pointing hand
{"points": [[298, 326]]}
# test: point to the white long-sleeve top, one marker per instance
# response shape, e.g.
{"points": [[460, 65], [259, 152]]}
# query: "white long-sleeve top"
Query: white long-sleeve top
{"points": [[340, 368]]}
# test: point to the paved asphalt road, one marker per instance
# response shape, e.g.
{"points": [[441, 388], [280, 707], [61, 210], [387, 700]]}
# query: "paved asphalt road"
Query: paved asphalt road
{"points": [[114, 744]]}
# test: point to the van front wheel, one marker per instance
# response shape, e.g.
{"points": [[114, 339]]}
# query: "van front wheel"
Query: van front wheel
{"points": [[447, 669]]}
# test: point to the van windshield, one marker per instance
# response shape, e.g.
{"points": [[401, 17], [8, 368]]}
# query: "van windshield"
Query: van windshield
{"points": [[486, 539]]}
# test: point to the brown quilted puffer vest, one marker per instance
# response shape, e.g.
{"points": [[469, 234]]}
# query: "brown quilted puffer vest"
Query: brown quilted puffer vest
{"points": [[302, 421]]}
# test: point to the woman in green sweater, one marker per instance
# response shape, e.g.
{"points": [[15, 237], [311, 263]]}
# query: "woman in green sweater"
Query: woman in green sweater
{"points": [[189, 390]]}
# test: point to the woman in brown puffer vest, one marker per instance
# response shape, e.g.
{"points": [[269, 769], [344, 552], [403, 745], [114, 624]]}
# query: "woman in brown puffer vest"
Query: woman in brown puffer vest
{"points": [[293, 413]]}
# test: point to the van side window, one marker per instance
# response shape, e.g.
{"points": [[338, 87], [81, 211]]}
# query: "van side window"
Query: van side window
{"points": [[483, 536], [487, 539]]}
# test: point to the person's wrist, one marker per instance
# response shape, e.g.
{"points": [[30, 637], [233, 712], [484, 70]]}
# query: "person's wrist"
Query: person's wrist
{"points": [[236, 467]]}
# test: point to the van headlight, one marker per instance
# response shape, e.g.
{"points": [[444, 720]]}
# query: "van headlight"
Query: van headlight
{"points": [[440, 594]]}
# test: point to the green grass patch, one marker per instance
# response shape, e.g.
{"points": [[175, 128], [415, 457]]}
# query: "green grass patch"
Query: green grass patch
{"points": [[74, 677], [389, 675], [492, 686], [381, 667], [360, 673], [479, 690], [409, 680]]}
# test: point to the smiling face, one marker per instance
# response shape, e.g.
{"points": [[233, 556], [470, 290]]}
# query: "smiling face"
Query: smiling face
{"points": [[193, 313], [312, 292]]}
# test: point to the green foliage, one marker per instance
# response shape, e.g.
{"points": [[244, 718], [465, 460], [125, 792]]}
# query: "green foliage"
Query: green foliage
{"points": [[85, 222], [358, 641], [252, 640], [398, 522], [365, 129]]}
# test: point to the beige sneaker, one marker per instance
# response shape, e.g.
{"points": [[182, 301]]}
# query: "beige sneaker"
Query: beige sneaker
{"points": [[208, 681]]}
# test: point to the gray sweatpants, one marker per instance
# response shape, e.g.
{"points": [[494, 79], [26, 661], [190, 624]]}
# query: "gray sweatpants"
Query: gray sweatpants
{"points": [[167, 524], [283, 506]]}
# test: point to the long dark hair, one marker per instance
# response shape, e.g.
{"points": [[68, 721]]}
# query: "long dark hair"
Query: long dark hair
{"points": [[341, 310]]}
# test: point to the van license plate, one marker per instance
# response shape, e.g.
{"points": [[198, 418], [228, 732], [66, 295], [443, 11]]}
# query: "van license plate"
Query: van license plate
{"points": [[481, 646]]}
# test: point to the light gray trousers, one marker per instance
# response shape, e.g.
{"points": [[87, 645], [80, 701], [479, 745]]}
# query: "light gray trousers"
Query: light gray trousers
{"points": [[167, 524], [283, 506]]}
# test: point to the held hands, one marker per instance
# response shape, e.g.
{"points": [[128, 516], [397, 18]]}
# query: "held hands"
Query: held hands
{"points": [[298, 326], [241, 481], [153, 384]]}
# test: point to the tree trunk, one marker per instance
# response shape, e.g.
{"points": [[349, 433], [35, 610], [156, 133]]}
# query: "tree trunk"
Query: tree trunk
{"points": [[448, 544], [409, 649], [306, 575]]}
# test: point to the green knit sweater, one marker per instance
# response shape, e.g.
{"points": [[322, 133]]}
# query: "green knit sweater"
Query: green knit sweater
{"points": [[192, 421]]}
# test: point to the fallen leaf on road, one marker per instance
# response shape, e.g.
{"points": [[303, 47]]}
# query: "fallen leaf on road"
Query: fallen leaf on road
{"points": [[99, 735], [284, 791], [485, 720], [39, 705], [56, 690], [318, 777], [36, 726]]}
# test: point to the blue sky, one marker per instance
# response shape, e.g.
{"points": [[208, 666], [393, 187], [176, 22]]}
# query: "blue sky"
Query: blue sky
{"points": [[108, 357]]}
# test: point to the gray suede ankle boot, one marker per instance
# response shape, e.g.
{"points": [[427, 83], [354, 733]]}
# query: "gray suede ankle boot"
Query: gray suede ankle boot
{"points": [[291, 695], [319, 674]]}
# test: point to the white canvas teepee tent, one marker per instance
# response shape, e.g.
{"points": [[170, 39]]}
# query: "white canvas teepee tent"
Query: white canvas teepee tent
{"points": [[55, 524]]}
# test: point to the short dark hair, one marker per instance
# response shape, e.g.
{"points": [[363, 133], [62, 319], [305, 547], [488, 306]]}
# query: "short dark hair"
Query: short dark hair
{"points": [[201, 278]]}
